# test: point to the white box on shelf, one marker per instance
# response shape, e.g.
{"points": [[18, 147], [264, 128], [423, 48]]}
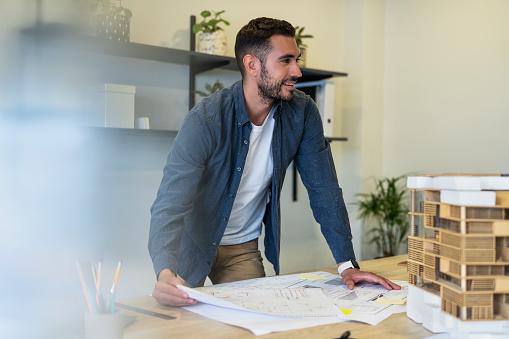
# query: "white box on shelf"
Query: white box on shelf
{"points": [[322, 92], [112, 105]]}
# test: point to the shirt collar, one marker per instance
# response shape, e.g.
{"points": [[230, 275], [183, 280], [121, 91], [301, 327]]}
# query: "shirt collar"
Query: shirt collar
{"points": [[240, 104]]}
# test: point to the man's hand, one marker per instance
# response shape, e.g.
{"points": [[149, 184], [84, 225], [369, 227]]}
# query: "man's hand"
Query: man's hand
{"points": [[167, 293], [352, 276]]}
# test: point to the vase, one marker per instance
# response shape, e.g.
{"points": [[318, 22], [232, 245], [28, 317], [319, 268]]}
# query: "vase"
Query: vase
{"points": [[113, 27], [211, 43]]}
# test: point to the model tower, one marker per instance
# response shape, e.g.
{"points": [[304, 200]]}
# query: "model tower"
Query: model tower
{"points": [[458, 254]]}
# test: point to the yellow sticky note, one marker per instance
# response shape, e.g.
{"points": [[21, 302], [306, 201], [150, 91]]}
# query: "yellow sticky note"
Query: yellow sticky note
{"points": [[307, 276], [390, 301], [346, 312]]}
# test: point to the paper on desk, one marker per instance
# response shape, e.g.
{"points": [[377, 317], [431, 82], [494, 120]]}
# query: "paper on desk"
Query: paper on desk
{"points": [[208, 299], [359, 306], [361, 302], [258, 323], [286, 302]]}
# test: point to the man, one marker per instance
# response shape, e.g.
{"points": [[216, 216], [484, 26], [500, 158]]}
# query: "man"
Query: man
{"points": [[225, 172]]}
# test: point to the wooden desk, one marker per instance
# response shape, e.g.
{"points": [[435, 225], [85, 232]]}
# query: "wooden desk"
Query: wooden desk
{"points": [[190, 325]]}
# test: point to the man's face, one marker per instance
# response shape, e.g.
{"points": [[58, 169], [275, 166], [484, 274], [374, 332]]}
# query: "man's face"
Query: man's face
{"points": [[280, 71]]}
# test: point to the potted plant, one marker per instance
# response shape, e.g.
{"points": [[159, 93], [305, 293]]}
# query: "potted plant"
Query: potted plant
{"points": [[299, 36], [113, 21], [210, 37], [388, 207], [210, 89]]}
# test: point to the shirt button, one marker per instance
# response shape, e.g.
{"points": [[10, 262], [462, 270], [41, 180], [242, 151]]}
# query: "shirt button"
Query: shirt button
{"points": [[245, 142], [225, 219], [214, 243], [240, 124], [239, 169], [231, 195]]}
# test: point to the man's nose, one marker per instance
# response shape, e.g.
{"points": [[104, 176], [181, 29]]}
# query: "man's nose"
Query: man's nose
{"points": [[295, 71]]}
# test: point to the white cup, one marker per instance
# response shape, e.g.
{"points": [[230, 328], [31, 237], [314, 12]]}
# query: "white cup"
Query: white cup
{"points": [[106, 325], [142, 123]]}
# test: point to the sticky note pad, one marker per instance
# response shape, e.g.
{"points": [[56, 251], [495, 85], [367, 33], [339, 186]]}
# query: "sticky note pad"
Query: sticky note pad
{"points": [[390, 301], [307, 276], [345, 311]]}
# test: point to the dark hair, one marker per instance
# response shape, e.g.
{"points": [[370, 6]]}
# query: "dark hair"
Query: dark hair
{"points": [[254, 38]]}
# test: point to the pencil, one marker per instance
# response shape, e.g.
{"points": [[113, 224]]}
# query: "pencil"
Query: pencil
{"points": [[98, 282], [114, 287], [99, 270], [115, 281], [92, 301], [93, 274], [84, 286]]}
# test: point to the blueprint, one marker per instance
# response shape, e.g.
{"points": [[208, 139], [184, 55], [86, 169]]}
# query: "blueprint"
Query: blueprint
{"points": [[316, 294], [286, 302]]}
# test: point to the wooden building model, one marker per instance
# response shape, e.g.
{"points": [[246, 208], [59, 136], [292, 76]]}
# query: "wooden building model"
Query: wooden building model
{"points": [[459, 243]]}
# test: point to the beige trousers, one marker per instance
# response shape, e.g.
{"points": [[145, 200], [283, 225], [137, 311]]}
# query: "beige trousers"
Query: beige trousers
{"points": [[237, 262]]}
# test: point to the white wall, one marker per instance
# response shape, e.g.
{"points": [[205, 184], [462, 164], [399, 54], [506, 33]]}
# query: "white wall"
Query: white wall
{"points": [[360, 159], [427, 90], [446, 87]]}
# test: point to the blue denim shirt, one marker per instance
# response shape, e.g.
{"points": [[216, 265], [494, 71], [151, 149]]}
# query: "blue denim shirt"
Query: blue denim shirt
{"points": [[203, 172]]}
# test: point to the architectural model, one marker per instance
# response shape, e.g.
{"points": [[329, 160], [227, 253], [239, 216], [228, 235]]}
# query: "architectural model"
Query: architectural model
{"points": [[458, 254]]}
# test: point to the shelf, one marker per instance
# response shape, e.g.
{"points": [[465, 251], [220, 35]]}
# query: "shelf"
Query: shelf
{"points": [[197, 62], [154, 53], [130, 131], [330, 139], [202, 62]]}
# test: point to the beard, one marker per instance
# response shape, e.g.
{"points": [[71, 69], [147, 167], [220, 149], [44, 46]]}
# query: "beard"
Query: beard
{"points": [[270, 89]]}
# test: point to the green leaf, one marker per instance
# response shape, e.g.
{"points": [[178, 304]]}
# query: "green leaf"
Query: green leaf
{"points": [[128, 13], [203, 94], [205, 14], [196, 28], [388, 206]]}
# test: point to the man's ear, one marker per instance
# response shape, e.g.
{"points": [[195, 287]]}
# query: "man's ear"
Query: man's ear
{"points": [[252, 64]]}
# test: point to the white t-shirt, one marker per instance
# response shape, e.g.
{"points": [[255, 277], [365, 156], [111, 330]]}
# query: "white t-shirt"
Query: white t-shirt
{"points": [[253, 194]]}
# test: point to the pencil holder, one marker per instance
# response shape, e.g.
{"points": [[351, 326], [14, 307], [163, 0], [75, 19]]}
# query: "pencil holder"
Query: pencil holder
{"points": [[106, 325]]}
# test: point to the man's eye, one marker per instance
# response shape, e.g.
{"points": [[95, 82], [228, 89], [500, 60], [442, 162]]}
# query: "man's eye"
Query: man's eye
{"points": [[285, 60]]}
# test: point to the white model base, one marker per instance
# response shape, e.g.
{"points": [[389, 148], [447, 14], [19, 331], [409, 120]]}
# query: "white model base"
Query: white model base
{"points": [[424, 307]]}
